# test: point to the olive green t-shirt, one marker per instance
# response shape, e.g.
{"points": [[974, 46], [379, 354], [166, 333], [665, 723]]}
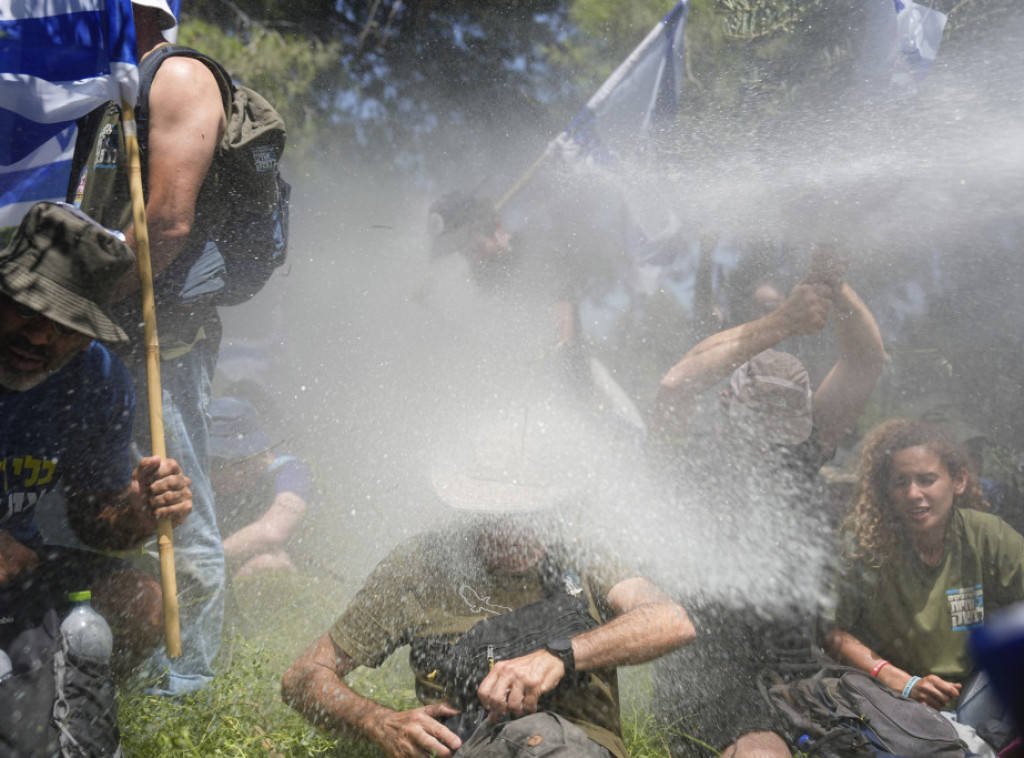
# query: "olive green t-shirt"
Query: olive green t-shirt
{"points": [[439, 585], [919, 616]]}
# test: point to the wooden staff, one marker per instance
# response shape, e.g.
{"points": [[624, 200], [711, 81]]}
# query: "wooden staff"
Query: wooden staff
{"points": [[165, 542], [523, 180]]}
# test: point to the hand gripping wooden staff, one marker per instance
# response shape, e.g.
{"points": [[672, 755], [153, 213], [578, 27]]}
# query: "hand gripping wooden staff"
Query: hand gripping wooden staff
{"points": [[165, 542]]}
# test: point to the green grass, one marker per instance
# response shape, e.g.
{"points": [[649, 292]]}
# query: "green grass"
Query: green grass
{"points": [[241, 714]]}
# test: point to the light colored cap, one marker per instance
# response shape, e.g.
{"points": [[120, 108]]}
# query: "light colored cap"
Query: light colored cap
{"points": [[771, 398], [167, 19], [516, 462]]}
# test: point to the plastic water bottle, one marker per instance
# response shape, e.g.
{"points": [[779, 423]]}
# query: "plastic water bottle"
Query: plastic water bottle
{"points": [[6, 669], [87, 633]]}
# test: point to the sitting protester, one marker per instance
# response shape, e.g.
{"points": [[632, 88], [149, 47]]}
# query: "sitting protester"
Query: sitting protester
{"points": [[921, 566], [66, 408], [515, 634], [261, 494], [756, 468]]}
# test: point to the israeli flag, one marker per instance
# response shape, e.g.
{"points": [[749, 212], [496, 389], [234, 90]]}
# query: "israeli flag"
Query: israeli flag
{"points": [[919, 34], [59, 60], [640, 99], [641, 96]]}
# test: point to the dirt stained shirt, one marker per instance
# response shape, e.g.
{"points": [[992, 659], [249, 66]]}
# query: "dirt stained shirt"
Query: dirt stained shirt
{"points": [[439, 585]]}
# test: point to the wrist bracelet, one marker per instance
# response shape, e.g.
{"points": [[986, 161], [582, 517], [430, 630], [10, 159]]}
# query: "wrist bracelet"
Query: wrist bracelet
{"points": [[878, 667], [910, 685]]}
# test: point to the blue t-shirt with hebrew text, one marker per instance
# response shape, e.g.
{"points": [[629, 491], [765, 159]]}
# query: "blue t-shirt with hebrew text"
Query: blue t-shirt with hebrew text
{"points": [[75, 428]]}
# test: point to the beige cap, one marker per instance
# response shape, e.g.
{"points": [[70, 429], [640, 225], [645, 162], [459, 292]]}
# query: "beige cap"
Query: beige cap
{"points": [[771, 395], [167, 19], [517, 461]]}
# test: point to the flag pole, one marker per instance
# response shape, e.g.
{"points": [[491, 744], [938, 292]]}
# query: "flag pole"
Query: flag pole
{"points": [[523, 180], [165, 542]]}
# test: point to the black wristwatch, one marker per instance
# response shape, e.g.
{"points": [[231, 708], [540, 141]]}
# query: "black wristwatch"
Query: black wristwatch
{"points": [[562, 648]]}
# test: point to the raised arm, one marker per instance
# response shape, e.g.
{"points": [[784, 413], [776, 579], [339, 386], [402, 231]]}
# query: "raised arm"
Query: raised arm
{"points": [[314, 686], [805, 311], [846, 389], [929, 689], [646, 624]]}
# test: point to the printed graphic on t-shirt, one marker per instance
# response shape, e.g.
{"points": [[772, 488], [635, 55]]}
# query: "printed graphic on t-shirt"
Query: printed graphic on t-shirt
{"points": [[25, 479], [481, 604], [106, 152], [966, 607]]}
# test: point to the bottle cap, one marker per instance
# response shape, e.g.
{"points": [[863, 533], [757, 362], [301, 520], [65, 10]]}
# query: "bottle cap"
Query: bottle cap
{"points": [[78, 597]]}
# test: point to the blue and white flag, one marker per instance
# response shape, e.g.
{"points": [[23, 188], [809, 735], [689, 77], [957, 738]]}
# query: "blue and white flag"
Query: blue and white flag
{"points": [[919, 34], [640, 99], [919, 30], [641, 96], [59, 59]]}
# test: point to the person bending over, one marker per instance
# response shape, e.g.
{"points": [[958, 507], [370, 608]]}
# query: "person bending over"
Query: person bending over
{"points": [[66, 409], [499, 565]]}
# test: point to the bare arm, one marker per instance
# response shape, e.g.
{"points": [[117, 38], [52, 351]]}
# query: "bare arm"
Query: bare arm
{"points": [[844, 393], [647, 624], [186, 123], [847, 649], [270, 531], [805, 311], [314, 686], [120, 521]]}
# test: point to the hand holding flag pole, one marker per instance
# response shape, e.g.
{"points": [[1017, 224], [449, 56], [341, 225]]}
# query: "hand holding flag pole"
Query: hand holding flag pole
{"points": [[644, 89]]}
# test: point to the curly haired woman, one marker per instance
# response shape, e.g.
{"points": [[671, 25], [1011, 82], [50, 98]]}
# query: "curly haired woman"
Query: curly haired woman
{"points": [[921, 564]]}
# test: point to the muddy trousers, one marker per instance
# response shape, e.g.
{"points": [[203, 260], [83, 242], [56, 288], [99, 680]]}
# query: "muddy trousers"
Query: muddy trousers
{"points": [[533, 736]]}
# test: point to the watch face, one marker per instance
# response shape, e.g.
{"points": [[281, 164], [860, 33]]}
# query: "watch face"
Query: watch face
{"points": [[559, 644]]}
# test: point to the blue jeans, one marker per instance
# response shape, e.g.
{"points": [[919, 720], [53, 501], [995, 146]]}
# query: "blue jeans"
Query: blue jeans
{"points": [[198, 551]]}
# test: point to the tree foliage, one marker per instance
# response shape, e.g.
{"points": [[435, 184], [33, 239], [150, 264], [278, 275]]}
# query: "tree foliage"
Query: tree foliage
{"points": [[384, 76]]}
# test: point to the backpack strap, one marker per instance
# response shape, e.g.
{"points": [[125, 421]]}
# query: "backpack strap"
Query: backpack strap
{"points": [[147, 72]]}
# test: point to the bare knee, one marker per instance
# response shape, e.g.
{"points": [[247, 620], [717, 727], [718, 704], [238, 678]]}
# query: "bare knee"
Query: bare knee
{"points": [[758, 745], [132, 603]]}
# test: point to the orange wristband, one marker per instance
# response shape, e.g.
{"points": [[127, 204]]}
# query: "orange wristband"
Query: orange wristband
{"points": [[878, 667]]}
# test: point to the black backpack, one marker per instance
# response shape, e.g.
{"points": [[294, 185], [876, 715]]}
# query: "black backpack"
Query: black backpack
{"points": [[462, 665], [843, 712], [51, 705], [243, 208]]}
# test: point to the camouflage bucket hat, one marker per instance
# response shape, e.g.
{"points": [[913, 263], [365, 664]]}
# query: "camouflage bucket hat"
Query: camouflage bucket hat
{"points": [[65, 266]]}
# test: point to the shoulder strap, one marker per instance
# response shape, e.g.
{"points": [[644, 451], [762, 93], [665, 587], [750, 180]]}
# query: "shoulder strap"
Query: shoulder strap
{"points": [[147, 72], [557, 579]]}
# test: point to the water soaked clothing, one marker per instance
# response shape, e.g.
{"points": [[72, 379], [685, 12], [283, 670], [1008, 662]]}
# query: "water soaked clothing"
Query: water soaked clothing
{"points": [[709, 690], [439, 585], [919, 616], [536, 735], [189, 334], [73, 428]]}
